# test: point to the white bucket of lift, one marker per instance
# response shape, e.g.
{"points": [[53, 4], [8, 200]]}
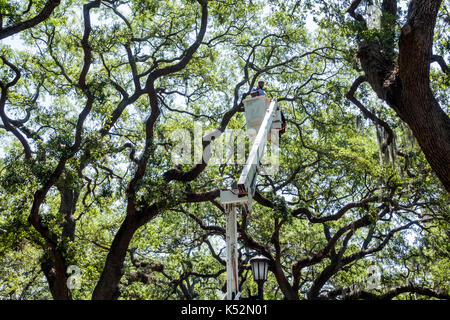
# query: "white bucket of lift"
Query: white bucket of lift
{"points": [[255, 110]]}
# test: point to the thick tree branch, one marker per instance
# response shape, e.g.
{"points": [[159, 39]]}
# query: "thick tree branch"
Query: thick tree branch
{"points": [[440, 60], [27, 24], [351, 96], [351, 10], [7, 124], [350, 293]]}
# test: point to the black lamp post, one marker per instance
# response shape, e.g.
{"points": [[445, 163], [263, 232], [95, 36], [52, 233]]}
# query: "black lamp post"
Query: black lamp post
{"points": [[260, 266]]}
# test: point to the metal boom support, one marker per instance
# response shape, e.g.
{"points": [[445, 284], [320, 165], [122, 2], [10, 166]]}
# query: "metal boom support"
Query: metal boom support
{"points": [[248, 176], [242, 196]]}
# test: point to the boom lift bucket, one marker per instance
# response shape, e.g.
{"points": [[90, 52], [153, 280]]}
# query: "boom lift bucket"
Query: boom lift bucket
{"points": [[255, 110]]}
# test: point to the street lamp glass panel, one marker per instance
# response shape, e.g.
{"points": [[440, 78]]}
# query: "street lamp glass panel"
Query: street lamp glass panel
{"points": [[260, 266], [262, 271]]}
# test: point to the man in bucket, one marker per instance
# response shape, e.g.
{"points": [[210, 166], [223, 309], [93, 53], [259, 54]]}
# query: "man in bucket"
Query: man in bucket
{"points": [[259, 91]]}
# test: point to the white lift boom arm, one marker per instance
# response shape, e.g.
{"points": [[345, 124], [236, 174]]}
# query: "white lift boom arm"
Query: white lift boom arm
{"points": [[248, 176], [242, 196]]}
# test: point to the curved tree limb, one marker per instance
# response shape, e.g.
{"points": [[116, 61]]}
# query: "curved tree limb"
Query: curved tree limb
{"points": [[351, 96], [27, 24], [350, 293]]}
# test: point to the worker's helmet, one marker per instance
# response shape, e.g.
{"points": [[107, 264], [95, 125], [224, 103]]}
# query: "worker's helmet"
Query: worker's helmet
{"points": [[261, 80]]}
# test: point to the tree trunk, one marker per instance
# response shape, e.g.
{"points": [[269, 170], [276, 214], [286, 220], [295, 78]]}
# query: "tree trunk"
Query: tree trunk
{"points": [[69, 198], [108, 286], [54, 269], [288, 291], [418, 106], [431, 127], [405, 84]]}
